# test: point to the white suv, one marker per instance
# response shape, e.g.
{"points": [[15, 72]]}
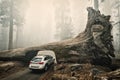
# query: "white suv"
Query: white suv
{"points": [[41, 62]]}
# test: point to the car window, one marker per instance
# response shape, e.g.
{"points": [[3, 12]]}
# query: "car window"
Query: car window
{"points": [[37, 59], [50, 57], [46, 58]]}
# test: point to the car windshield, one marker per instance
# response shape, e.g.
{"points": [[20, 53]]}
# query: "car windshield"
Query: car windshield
{"points": [[37, 59]]}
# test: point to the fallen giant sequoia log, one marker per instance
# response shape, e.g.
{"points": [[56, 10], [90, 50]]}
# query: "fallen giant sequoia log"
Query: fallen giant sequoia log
{"points": [[93, 44]]}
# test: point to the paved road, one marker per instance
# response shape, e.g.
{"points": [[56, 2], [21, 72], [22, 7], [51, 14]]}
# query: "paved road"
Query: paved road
{"points": [[24, 75]]}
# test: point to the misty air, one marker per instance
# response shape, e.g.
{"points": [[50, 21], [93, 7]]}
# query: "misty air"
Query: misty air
{"points": [[60, 39]]}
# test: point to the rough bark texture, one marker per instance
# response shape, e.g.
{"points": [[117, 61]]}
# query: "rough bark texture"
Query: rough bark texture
{"points": [[95, 43], [113, 75]]}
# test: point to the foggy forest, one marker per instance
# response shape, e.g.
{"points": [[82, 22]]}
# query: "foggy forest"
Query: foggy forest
{"points": [[81, 39], [36, 22]]}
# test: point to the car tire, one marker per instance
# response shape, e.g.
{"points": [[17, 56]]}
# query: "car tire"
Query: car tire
{"points": [[33, 70], [46, 68]]}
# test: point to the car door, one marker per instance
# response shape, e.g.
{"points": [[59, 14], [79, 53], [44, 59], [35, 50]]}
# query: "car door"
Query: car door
{"points": [[51, 59], [47, 60]]}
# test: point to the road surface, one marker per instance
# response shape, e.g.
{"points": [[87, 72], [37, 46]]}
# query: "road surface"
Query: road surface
{"points": [[24, 75]]}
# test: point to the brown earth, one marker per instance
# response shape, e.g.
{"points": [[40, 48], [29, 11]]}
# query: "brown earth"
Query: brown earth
{"points": [[9, 67], [68, 71], [74, 71]]}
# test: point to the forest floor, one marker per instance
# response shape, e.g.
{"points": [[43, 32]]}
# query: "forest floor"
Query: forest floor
{"points": [[67, 71], [10, 67], [75, 71]]}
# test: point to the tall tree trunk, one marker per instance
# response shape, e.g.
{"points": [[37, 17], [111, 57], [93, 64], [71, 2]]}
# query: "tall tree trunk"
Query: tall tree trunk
{"points": [[119, 24], [19, 34], [4, 38], [96, 5], [10, 45]]}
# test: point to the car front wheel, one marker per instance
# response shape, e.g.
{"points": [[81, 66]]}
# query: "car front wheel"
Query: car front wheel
{"points": [[46, 68]]}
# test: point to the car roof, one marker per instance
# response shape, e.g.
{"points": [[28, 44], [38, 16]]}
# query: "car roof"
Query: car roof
{"points": [[41, 56]]}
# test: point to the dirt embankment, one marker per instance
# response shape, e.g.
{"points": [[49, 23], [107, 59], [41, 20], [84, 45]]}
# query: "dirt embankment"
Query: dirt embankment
{"points": [[9, 67], [68, 71], [73, 71]]}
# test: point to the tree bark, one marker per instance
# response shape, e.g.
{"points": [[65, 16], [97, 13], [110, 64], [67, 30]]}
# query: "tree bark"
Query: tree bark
{"points": [[96, 5], [10, 43]]}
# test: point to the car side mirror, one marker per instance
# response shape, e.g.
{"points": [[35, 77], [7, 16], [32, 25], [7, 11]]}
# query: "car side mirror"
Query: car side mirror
{"points": [[45, 59]]}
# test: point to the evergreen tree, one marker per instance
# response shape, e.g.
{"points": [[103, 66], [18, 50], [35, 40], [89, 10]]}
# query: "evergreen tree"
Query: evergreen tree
{"points": [[63, 20], [11, 15]]}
